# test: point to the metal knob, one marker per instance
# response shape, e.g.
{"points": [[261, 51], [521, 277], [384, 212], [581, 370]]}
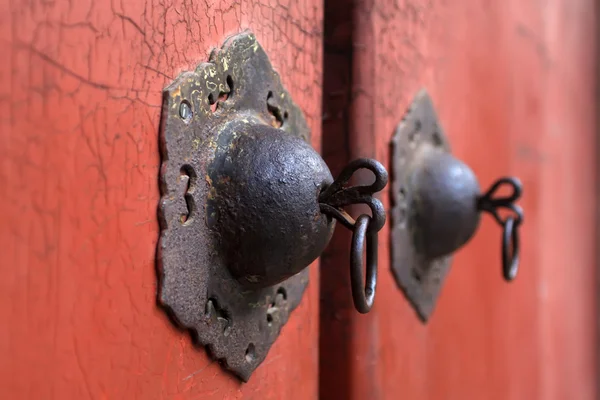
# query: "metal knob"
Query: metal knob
{"points": [[444, 204], [266, 186]]}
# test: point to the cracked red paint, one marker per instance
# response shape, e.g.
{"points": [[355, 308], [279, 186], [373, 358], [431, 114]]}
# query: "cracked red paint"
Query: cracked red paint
{"points": [[80, 102], [79, 105]]}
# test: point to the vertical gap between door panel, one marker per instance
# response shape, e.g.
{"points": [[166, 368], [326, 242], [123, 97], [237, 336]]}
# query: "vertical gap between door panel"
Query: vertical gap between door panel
{"points": [[335, 336]]}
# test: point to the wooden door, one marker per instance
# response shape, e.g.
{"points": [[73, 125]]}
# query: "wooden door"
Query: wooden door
{"points": [[81, 99], [513, 83]]}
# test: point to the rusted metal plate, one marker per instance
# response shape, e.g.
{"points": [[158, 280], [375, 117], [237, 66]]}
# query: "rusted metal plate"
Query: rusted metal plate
{"points": [[237, 325], [420, 277]]}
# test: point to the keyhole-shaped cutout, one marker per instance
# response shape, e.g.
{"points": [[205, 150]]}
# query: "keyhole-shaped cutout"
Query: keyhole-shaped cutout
{"points": [[279, 117], [188, 175]]}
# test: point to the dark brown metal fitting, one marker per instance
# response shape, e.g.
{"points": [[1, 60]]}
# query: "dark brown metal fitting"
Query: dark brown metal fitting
{"points": [[247, 204], [437, 205]]}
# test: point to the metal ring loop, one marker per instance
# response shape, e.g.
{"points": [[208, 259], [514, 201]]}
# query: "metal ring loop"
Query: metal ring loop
{"points": [[336, 189], [363, 298], [513, 183], [510, 236]]}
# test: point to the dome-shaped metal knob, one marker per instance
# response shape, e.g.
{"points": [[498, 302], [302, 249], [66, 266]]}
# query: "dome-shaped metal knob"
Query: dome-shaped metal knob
{"points": [[444, 203], [265, 185]]}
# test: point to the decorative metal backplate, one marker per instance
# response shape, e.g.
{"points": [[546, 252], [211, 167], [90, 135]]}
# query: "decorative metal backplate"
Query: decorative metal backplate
{"points": [[237, 325], [419, 277]]}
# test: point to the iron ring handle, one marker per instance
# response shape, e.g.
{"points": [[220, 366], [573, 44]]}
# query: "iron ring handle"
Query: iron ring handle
{"points": [[510, 225], [331, 201], [510, 238], [363, 298]]}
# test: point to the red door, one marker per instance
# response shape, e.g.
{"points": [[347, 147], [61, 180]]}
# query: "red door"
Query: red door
{"points": [[513, 83]]}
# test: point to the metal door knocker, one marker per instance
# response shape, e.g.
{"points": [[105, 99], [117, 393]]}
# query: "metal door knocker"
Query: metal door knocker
{"points": [[437, 205], [247, 204]]}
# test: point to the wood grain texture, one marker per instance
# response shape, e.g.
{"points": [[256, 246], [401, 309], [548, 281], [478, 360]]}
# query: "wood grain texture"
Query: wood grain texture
{"points": [[513, 82], [80, 99]]}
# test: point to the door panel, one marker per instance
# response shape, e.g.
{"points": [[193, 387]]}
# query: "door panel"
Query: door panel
{"points": [[513, 83], [81, 99]]}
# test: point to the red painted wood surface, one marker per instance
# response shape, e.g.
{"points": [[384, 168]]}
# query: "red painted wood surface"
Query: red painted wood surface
{"points": [[80, 99], [514, 83]]}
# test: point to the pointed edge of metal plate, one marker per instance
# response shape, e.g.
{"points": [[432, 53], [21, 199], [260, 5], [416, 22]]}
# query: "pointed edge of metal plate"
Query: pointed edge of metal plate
{"points": [[237, 326], [420, 279]]}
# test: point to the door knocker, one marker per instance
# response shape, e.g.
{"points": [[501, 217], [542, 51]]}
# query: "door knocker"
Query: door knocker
{"points": [[437, 205], [247, 204]]}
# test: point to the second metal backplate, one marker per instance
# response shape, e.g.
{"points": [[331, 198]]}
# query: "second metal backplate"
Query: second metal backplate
{"points": [[420, 278]]}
